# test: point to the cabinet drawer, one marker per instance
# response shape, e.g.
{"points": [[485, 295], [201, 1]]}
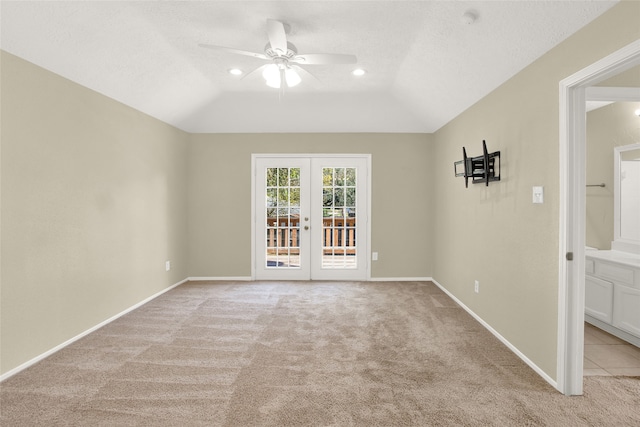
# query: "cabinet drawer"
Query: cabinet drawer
{"points": [[614, 272]]}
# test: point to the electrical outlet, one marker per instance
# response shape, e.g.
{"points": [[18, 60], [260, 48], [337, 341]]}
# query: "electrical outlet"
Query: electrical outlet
{"points": [[476, 287], [167, 265], [374, 256]]}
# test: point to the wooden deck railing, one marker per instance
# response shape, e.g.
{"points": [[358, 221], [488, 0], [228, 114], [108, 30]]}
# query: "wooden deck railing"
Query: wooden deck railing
{"points": [[339, 235]]}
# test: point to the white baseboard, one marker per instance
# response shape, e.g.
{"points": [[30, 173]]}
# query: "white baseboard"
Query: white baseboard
{"points": [[249, 278], [502, 339], [218, 279], [400, 279], [83, 334]]}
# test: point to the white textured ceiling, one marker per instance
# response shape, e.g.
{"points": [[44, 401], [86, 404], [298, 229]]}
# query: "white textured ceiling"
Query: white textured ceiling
{"points": [[424, 66]]}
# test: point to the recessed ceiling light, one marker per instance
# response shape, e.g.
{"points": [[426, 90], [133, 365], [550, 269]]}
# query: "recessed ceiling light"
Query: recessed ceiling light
{"points": [[637, 112], [358, 72], [235, 71]]}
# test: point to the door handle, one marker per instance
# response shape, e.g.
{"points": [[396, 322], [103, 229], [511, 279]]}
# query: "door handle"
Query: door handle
{"points": [[306, 227]]}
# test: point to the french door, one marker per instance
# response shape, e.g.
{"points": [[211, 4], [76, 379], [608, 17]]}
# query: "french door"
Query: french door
{"points": [[311, 217]]}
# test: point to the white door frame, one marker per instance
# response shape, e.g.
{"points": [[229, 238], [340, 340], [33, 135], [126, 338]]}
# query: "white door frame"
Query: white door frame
{"points": [[367, 227], [572, 211]]}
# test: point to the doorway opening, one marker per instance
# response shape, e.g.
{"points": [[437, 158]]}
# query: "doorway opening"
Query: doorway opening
{"points": [[310, 217], [612, 304], [572, 212]]}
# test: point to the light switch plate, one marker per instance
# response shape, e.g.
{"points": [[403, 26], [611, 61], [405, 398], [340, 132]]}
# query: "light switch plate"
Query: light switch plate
{"points": [[538, 194]]}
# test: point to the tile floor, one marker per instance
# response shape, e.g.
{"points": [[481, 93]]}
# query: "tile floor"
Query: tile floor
{"points": [[605, 354]]}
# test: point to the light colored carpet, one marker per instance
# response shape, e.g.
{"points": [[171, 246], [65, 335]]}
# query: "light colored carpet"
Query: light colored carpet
{"points": [[301, 354]]}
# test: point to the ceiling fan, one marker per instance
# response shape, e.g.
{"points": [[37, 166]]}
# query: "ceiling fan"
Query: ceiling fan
{"points": [[284, 69]]}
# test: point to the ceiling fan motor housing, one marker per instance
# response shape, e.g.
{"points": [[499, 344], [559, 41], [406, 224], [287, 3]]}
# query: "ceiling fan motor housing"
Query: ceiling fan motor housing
{"points": [[273, 53]]}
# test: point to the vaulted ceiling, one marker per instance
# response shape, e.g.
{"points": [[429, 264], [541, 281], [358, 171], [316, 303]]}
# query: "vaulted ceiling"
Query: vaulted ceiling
{"points": [[424, 63]]}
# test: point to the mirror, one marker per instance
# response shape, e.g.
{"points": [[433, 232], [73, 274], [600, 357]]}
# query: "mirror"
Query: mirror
{"points": [[627, 198]]}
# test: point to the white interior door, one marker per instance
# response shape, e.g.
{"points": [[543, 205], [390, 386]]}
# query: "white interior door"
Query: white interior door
{"points": [[311, 217]]}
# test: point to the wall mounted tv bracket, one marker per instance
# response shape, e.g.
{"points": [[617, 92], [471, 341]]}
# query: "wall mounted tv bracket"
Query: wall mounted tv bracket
{"points": [[485, 168]]}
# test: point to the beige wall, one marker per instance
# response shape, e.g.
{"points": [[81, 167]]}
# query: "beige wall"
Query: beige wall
{"points": [[608, 127], [495, 234], [93, 203], [629, 78], [220, 198]]}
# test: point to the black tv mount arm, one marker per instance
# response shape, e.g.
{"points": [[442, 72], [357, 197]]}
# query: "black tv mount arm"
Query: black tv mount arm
{"points": [[484, 168]]}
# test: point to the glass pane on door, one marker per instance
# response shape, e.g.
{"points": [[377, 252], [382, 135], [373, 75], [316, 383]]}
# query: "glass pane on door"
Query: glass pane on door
{"points": [[282, 239], [339, 218]]}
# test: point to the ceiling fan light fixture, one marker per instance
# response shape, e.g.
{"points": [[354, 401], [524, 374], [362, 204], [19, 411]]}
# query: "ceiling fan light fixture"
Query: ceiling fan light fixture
{"points": [[274, 84], [292, 77], [271, 75]]}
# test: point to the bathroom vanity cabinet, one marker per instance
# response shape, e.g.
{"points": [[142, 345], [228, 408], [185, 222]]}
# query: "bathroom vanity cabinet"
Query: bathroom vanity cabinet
{"points": [[612, 293], [612, 277]]}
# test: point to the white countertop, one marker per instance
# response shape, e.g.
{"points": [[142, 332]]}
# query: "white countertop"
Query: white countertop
{"points": [[625, 258]]}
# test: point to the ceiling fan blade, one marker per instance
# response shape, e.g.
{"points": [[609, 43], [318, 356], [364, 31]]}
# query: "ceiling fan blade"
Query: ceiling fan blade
{"points": [[254, 72], [304, 74], [277, 36], [236, 51], [324, 58]]}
